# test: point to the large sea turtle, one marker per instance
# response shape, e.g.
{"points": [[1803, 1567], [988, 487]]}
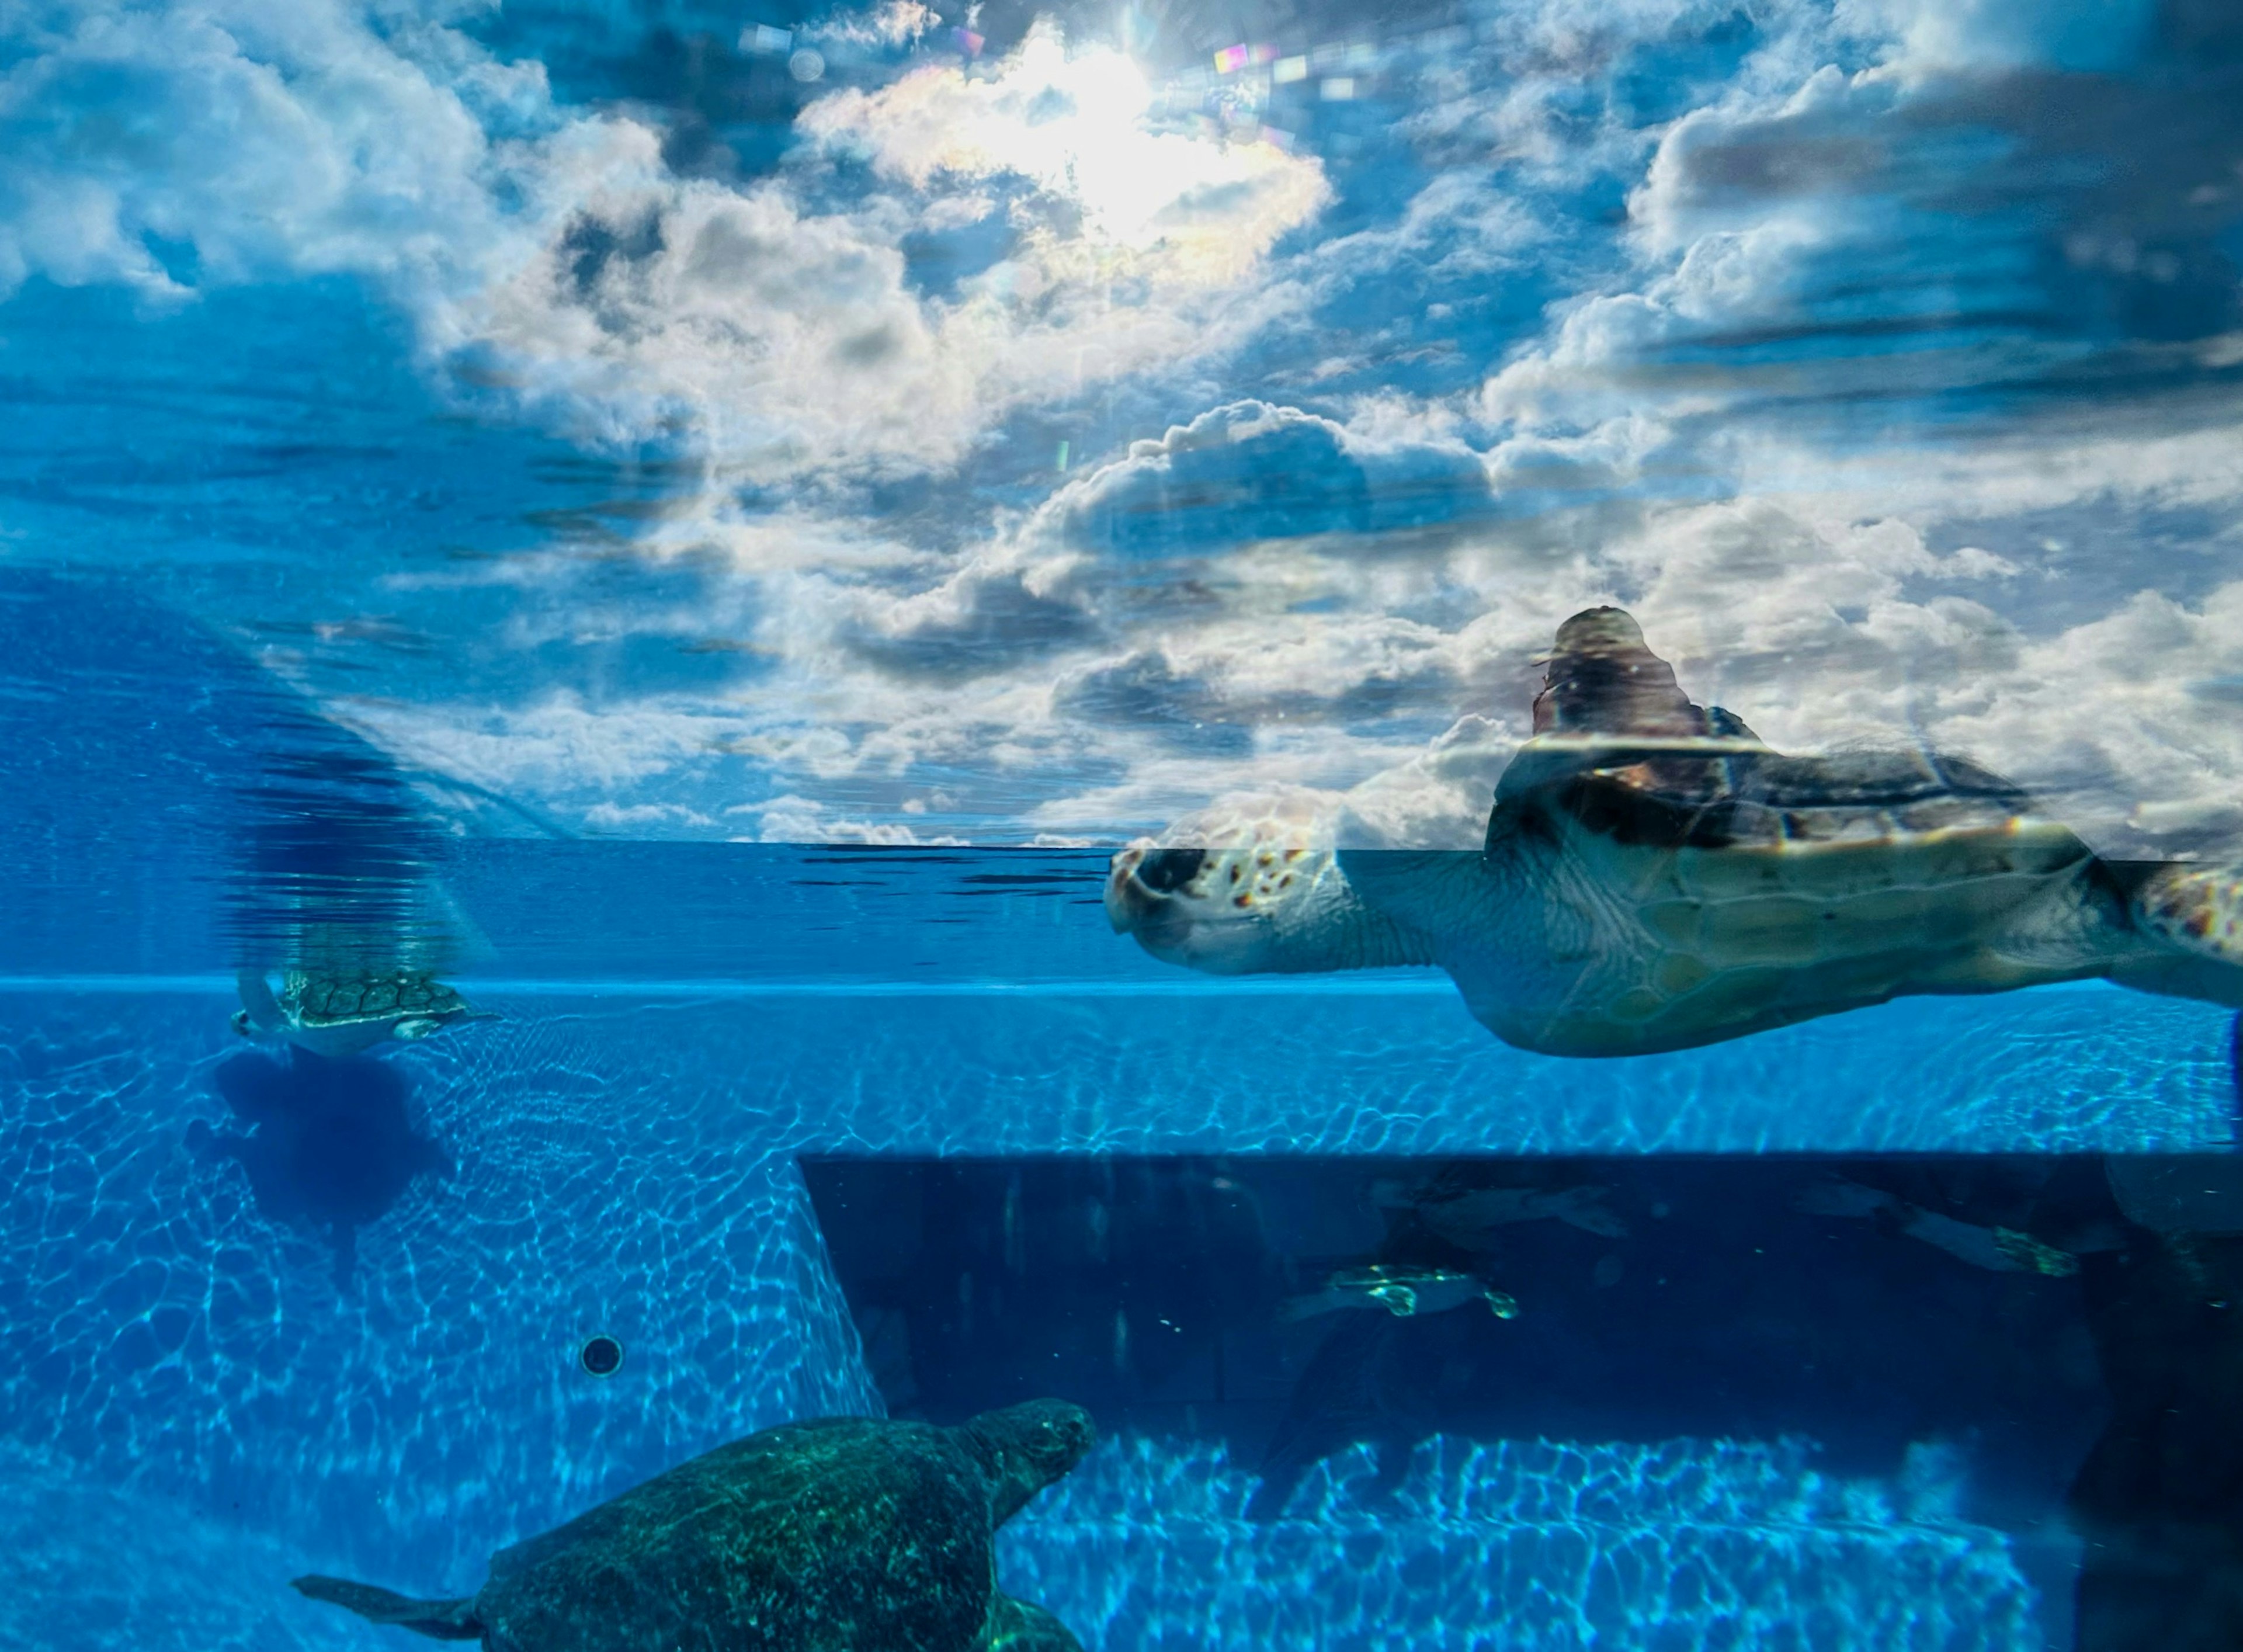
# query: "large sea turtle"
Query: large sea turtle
{"points": [[348, 1012], [1655, 877], [842, 1535]]}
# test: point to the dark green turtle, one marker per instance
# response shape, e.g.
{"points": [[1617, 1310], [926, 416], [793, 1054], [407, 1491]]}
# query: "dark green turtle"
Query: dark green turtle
{"points": [[341, 1012], [843, 1535]]}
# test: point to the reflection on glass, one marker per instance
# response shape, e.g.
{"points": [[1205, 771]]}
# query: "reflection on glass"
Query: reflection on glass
{"points": [[336, 889]]}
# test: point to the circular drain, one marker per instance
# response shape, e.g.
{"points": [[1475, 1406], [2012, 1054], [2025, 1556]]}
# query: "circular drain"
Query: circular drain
{"points": [[601, 1357]]}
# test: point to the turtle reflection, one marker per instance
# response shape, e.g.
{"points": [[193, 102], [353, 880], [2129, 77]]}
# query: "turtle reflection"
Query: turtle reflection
{"points": [[328, 1146], [336, 890]]}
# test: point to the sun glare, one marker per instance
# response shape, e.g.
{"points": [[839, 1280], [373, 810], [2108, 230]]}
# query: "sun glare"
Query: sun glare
{"points": [[1087, 133]]}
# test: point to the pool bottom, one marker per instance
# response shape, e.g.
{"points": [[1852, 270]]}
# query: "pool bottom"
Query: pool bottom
{"points": [[1680, 1545]]}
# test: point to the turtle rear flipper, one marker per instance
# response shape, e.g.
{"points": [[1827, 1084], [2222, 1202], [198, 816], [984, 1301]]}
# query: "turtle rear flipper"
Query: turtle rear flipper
{"points": [[439, 1619]]}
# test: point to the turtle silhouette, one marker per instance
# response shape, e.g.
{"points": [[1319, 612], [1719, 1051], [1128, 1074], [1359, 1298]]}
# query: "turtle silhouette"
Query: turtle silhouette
{"points": [[329, 1145], [839, 1536]]}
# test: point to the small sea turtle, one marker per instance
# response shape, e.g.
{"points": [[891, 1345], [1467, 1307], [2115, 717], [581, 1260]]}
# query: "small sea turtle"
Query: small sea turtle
{"points": [[1998, 1250], [1402, 1291], [1467, 1216], [348, 1013], [841, 1535], [1655, 877]]}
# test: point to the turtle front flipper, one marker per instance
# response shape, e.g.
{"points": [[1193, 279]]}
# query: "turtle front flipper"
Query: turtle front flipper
{"points": [[438, 1619], [260, 1011], [1015, 1626]]}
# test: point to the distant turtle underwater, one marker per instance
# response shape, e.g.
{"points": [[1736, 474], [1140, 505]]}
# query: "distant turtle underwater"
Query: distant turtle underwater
{"points": [[1998, 1250], [841, 1535], [1655, 877], [346, 1013], [1460, 1213], [1402, 1291]]}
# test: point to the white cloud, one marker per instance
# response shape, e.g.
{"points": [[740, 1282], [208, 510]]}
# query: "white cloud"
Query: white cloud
{"points": [[1268, 591], [795, 820], [1179, 210], [898, 23], [558, 262], [639, 817], [264, 137], [555, 745]]}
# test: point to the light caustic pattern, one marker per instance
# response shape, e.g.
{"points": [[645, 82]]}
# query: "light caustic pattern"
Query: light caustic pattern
{"points": [[628, 1167], [1682, 1545], [86, 1568]]}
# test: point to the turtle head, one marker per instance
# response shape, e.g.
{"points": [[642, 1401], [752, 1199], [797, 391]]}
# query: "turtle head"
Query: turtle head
{"points": [[1026, 1447], [1248, 885]]}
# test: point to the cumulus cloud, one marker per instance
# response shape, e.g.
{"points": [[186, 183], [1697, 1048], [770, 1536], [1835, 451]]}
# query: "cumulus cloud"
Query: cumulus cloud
{"points": [[2030, 203], [167, 147], [1250, 471], [1825, 337], [555, 261], [794, 820]]}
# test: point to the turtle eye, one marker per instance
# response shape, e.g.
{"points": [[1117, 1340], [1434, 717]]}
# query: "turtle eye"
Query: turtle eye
{"points": [[1165, 870]]}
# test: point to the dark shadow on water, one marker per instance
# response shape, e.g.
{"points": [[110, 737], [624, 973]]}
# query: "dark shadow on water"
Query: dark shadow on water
{"points": [[328, 1146], [2067, 1332]]}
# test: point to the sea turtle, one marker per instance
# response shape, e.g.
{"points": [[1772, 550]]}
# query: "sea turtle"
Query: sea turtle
{"points": [[346, 1013], [839, 1536], [1655, 877], [1452, 1209], [1998, 1250], [1402, 1291]]}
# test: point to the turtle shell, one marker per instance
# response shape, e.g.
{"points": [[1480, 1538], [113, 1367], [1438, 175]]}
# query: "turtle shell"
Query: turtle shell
{"points": [[1735, 887], [828, 1536], [345, 1000]]}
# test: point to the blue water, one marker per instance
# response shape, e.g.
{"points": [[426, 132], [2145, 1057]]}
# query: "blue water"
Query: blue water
{"points": [[820, 1129], [703, 526]]}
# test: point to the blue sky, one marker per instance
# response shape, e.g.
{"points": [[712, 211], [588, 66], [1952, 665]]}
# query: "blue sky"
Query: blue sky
{"points": [[751, 422]]}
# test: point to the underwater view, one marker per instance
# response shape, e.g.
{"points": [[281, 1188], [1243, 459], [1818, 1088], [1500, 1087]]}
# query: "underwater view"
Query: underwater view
{"points": [[1032, 825]]}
